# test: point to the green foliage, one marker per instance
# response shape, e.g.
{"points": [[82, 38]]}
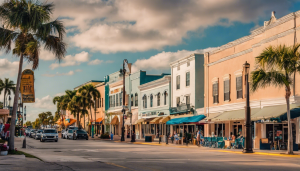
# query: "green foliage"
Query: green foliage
{"points": [[8, 87], [28, 123], [104, 136]]}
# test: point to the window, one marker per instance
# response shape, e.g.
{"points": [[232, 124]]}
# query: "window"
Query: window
{"points": [[178, 82], [187, 83], [158, 99], [187, 101], [136, 99], [226, 90], [109, 101], [165, 98], [239, 87], [102, 103], [145, 101], [178, 101], [215, 93], [188, 63], [151, 100], [99, 102], [131, 103], [113, 101], [117, 101]]}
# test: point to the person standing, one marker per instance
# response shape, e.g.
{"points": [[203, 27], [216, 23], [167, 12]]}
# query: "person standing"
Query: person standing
{"points": [[198, 138], [1, 126]]}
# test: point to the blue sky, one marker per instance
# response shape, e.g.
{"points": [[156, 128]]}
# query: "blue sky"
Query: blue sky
{"points": [[100, 34]]}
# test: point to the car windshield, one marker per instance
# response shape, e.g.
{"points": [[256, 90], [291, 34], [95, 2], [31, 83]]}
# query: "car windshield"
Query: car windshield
{"points": [[70, 131], [39, 131], [49, 131], [81, 131]]}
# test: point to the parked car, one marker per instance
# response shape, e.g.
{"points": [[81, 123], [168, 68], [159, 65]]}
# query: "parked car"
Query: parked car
{"points": [[70, 134], [64, 133], [49, 134], [27, 131], [38, 134], [32, 133], [80, 134]]}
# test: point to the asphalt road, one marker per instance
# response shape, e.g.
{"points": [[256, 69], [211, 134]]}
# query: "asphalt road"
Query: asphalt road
{"points": [[103, 155]]}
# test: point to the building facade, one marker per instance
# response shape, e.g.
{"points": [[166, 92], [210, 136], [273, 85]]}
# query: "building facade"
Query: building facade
{"points": [[224, 84]]}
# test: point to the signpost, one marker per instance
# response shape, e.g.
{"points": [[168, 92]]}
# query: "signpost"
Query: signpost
{"points": [[27, 86]]}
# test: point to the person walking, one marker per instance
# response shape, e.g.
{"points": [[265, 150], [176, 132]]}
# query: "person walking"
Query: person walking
{"points": [[198, 137]]}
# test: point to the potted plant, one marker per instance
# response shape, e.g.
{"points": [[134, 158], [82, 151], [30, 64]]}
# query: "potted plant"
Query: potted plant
{"points": [[3, 150]]}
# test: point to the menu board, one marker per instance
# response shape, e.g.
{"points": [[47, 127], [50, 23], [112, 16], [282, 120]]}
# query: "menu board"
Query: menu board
{"points": [[27, 86]]}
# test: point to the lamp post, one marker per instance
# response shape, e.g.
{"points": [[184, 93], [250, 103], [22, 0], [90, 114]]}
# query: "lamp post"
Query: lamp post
{"points": [[248, 141], [24, 113], [123, 72]]}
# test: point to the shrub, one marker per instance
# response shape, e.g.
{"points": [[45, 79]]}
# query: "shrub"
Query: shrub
{"points": [[3, 147], [104, 136]]}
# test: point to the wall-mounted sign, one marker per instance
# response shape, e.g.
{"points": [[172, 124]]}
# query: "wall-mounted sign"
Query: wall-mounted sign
{"points": [[27, 86]]}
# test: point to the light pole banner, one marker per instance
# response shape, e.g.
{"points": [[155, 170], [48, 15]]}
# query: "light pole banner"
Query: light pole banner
{"points": [[27, 86]]}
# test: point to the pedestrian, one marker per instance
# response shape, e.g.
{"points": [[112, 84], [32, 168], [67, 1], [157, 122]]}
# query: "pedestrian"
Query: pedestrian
{"points": [[198, 138], [111, 136], [6, 127]]}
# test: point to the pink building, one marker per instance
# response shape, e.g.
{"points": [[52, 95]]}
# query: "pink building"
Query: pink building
{"points": [[224, 84]]}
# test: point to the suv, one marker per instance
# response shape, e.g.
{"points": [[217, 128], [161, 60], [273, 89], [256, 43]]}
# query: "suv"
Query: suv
{"points": [[49, 134], [80, 134]]}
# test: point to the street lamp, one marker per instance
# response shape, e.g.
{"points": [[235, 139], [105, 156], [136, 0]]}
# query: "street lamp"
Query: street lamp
{"points": [[24, 113], [123, 72], [248, 141]]}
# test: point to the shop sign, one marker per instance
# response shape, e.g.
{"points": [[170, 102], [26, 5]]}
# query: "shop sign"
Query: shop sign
{"points": [[27, 86]]}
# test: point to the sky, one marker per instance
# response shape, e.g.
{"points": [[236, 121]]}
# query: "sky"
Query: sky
{"points": [[149, 34]]}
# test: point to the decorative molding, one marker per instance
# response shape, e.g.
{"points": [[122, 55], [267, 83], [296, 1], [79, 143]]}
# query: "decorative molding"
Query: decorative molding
{"points": [[183, 60], [238, 72], [231, 56], [226, 77], [215, 79]]}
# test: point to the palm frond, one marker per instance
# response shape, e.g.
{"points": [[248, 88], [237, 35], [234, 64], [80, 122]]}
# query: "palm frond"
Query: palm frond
{"points": [[6, 38]]}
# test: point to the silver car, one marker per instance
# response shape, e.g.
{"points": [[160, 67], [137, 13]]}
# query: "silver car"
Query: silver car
{"points": [[38, 134], [49, 134], [70, 133]]}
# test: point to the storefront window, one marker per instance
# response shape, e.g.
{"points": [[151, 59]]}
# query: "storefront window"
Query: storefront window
{"points": [[152, 129], [218, 130]]}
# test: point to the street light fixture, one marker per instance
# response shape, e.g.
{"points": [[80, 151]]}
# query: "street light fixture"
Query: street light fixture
{"points": [[123, 72], [248, 141]]}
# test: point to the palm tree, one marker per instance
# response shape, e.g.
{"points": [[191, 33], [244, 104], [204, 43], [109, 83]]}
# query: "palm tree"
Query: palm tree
{"points": [[58, 100], [65, 100], [91, 95], [7, 86], [84, 100], [76, 107], [27, 25], [276, 66]]}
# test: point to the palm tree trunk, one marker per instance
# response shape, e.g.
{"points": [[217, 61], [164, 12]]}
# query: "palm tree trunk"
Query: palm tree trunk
{"points": [[15, 106], [4, 99], [78, 122], [91, 119], [290, 137]]}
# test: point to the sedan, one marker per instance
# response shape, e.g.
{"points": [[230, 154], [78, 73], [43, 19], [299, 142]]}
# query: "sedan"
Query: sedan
{"points": [[32, 133], [80, 134], [49, 134], [38, 134]]}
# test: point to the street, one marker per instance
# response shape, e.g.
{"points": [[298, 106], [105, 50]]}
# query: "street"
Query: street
{"points": [[106, 155]]}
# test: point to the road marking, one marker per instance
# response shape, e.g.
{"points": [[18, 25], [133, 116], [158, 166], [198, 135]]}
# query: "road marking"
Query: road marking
{"points": [[113, 164], [258, 153]]}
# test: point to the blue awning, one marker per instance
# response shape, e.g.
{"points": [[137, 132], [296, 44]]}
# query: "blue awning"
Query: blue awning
{"points": [[295, 113], [186, 120]]}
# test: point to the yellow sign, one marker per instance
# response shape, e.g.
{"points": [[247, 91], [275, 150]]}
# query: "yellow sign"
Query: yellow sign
{"points": [[27, 86]]}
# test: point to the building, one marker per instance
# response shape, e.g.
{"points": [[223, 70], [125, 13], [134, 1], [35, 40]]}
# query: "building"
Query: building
{"points": [[4, 115], [224, 84], [154, 107]]}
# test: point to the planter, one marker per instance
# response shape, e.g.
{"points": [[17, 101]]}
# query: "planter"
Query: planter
{"points": [[3, 153]]}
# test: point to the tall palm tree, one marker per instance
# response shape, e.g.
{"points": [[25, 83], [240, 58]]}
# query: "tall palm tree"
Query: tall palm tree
{"points": [[27, 25], [76, 107], [276, 66], [58, 100], [64, 104], [91, 95], [84, 100], [7, 86]]}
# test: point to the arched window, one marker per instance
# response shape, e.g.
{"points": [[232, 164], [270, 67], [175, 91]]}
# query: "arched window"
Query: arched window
{"points": [[151, 100], [131, 100], [136, 99], [158, 99], [165, 98], [145, 101]]}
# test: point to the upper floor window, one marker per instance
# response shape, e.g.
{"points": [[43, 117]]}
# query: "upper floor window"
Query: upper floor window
{"points": [[99, 102], [239, 87], [136, 99], [187, 101], [131, 99], [117, 100], [145, 101], [165, 98], [226, 90], [109, 104], [187, 75], [158, 99], [151, 100], [188, 63], [121, 98], [113, 101], [102, 103], [216, 92], [178, 82], [178, 101]]}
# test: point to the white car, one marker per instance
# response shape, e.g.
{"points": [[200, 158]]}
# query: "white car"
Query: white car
{"points": [[49, 134], [64, 133], [70, 133]]}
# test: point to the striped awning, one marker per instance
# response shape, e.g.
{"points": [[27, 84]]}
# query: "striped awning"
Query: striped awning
{"points": [[156, 120], [139, 121], [115, 121], [165, 119]]}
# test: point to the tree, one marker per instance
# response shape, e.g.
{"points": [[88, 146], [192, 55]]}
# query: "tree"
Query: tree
{"points": [[28, 123], [27, 25], [91, 95], [44, 118], [1, 105], [75, 107], [59, 101], [84, 102], [7, 86], [276, 66]]}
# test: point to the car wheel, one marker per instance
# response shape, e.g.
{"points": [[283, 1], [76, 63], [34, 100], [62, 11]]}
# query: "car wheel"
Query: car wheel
{"points": [[87, 138], [41, 140], [67, 137], [56, 140], [74, 137]]}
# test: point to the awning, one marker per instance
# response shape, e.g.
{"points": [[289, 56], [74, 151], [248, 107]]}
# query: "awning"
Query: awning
{"points": [[156, 120], [148, 120], [295, 113], [165, 119], [210, 117], [234, 115], [70, 122], [98, 121], [139, 121], [271, 112], [186, 120], [115, 121]]}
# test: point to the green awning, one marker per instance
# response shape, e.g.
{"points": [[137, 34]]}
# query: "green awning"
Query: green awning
{"points": [[185, 120], [295, 113], [271, 112], [234, 115]]}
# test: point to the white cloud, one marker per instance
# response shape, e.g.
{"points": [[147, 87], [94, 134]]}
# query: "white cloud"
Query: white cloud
{"points": [[95, 62], [43, 103], [135, 25], [62, 74], [70, 60], [161, 61], [46, 55], [109, 61], [8, 68]]}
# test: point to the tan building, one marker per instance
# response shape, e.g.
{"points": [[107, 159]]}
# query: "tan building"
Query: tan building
{"points": [[224, 84]]}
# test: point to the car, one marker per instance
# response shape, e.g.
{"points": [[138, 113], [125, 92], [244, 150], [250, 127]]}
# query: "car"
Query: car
{"points": [[49, 134], [38, 134], [27, 131], [80, 134], [70, 133], [64, 133], [32, 133]]}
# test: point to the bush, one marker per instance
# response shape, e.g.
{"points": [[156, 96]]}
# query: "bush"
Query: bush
{"points": [[3, 147], [104, 136]]}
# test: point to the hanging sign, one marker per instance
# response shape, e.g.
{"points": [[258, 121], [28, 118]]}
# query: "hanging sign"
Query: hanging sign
{"points": [[27, 86]]}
